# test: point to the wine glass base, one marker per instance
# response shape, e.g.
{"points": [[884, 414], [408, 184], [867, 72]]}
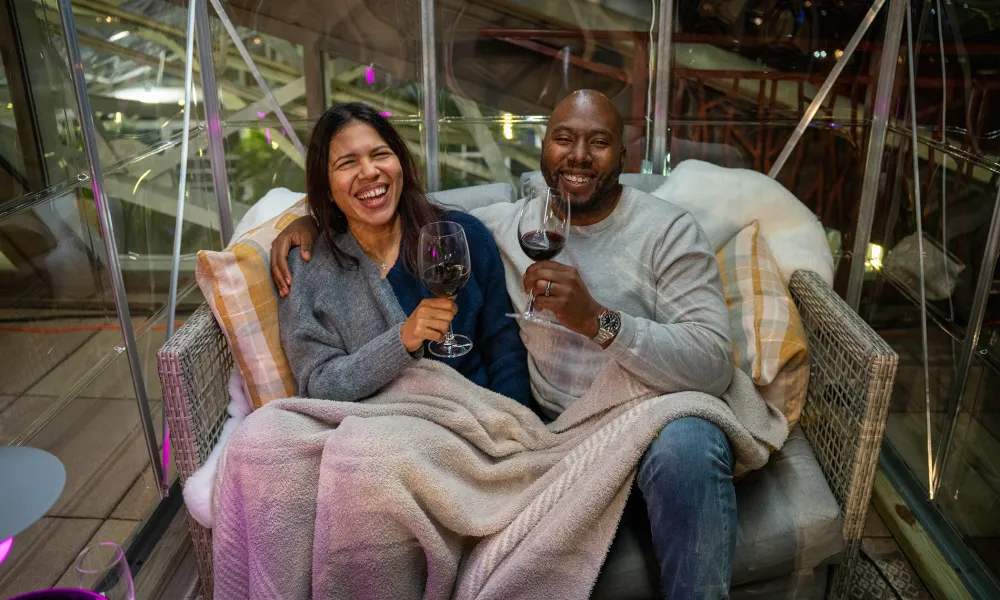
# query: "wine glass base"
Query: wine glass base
{"points": [[459, 346], [534, 318]]}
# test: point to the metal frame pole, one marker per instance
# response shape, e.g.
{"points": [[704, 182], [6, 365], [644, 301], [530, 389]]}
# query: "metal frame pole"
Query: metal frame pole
{"points": [[876, 146], [213, 121], [89, 136], [976, 314], [918, 209], [175, 263], [661, 102], [182, 185], [429, 66]]}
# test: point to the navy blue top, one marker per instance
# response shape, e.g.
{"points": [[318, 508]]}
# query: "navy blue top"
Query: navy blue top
{"points": [[498, 360]]}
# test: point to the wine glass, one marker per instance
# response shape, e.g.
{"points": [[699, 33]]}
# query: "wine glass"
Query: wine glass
{"points": [[542, 229], [102, 568], [445, 268]]}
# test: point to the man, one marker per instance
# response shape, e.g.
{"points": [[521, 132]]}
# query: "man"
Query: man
{"points": [[636, 283]]}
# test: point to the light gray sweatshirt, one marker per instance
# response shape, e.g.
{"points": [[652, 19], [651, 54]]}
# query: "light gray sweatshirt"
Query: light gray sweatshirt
{"points": [[651, 261]]}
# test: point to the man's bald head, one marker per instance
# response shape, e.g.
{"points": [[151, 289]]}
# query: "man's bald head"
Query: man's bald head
{"points": [[583, 153], [592, 102]]}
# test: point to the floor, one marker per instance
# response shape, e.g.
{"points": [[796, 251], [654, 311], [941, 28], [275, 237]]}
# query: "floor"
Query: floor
{"points": [[883, 571], [68, 366]]}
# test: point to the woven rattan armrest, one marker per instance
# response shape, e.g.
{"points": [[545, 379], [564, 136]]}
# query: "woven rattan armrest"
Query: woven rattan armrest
{"points": [[194, 367], [850, 384]]}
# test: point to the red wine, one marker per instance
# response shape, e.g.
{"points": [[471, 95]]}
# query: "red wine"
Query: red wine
{"points": [[445, 280], [541, 244]]}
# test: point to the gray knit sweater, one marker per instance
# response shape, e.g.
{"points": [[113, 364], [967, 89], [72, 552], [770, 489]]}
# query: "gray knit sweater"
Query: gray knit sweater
{"points": [[356, 321]]}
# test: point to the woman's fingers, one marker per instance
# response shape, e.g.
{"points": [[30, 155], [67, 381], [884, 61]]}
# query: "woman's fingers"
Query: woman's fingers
{"points": [[439, 304], [434, 329], [435, 314]]}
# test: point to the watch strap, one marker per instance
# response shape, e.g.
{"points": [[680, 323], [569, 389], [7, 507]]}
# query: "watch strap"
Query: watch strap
{"points": [[609, 323]]}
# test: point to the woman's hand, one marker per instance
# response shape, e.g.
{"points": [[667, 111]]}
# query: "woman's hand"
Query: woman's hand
{"points": [[300, 232], [429, 321]]}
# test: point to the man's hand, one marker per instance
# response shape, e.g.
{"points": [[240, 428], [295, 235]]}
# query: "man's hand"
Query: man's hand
{"points": [[568, 296], [300, 232]]}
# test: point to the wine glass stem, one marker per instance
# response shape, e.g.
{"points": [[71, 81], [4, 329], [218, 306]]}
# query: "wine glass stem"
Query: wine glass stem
{"points": [[449, 338], [530, 311]]}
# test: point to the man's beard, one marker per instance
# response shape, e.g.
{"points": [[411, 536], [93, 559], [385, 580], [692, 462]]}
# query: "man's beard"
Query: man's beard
{"points": [[602, 196]]}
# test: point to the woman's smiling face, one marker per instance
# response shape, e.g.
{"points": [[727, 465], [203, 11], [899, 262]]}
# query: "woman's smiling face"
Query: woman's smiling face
{"points": [[366, 178]]}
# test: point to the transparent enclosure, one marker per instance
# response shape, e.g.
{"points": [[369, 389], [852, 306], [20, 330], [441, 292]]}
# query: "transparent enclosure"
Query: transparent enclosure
{"points": [[470, 85]]}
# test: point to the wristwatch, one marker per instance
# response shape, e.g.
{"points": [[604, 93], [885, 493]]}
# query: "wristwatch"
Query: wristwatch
{"points": [[608, 324]]}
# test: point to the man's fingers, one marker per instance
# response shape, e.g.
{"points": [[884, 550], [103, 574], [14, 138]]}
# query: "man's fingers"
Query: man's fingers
{"points": [[279, 280], [545, 275], [541, 286], [279, 256], [548, 264], [548, 303]]}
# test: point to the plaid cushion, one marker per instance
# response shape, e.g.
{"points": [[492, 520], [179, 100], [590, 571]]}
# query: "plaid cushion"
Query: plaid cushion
{"points": [[237, 285], [769, 341]]}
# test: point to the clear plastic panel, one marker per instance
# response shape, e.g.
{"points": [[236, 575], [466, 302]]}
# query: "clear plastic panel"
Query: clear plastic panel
{"points": [[500, 64], [969, 494], [66, 387], [956, 180]]}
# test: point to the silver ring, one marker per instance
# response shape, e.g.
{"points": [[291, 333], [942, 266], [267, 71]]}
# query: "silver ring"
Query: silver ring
{"points": [[548, 289]]}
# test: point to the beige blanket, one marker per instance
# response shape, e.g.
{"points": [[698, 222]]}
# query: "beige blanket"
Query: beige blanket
{"points": [[436, 488]]}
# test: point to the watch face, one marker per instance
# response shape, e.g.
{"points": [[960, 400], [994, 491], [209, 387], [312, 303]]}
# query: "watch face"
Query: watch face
{"points": [[610, 321]]}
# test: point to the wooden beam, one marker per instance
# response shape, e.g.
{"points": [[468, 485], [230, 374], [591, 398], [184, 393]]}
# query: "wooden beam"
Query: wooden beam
{"points": [[941, 580]]}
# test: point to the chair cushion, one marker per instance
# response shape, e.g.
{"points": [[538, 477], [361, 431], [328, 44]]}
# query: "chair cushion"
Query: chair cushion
{"points": [[788, 517], [237, 285], [769, 341], [788, 521], [646, 182], [473, 197]]}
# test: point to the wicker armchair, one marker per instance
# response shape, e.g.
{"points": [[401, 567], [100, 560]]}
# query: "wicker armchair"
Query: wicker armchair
{"points": [[844, 418]]}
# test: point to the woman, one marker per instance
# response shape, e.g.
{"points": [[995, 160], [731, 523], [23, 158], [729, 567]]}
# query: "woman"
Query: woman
{"points": [[358, 313]]}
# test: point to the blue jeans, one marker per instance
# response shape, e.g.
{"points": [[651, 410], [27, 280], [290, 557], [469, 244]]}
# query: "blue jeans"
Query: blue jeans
{"points": [[687, 483]]}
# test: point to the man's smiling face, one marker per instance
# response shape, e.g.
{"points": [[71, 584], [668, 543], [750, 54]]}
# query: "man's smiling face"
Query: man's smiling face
{"points": [[582, 153]]}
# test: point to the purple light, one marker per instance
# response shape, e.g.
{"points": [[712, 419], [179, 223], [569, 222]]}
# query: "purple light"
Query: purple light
{"points": [[386, 113], [166, 447], [267, 134], [5, 548], [369, 75], [262, 115]]}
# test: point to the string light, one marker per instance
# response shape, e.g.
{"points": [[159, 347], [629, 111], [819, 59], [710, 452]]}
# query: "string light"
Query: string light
{"points": [[508, 126]]}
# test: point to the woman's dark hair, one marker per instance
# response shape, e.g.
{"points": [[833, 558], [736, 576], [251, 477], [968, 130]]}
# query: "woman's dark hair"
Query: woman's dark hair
{"points": [[414, 209]]}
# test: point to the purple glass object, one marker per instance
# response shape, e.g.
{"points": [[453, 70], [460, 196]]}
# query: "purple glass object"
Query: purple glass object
{"points": [[369, 75], [386, 114], [60, 594], [5, 548]]}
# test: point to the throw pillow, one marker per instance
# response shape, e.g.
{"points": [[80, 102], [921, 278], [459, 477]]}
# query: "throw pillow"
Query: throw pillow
{"points": [[769, 341], [237, 285]]}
